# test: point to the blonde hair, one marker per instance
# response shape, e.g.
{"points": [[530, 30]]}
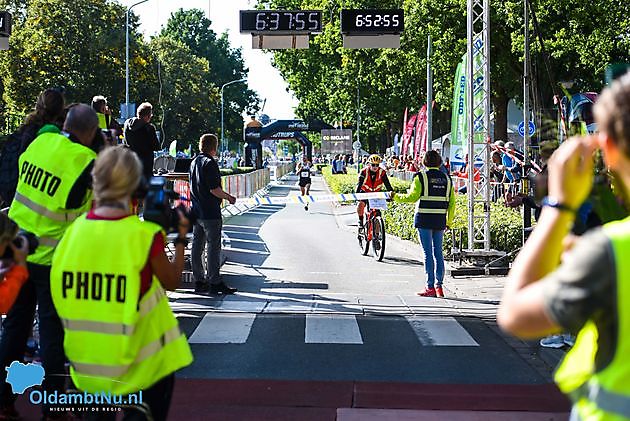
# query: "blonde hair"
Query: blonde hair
{"points": [[116, 174], [612, 112], [8, 228]]}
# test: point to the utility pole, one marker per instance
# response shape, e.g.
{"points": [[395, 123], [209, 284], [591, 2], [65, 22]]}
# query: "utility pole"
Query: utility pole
{"points": [[429, 97], [527, 212], [127, 56], [359, 106]]}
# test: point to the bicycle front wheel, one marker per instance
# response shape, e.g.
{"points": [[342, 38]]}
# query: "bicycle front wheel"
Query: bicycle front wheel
{"points": [[378, 238]]}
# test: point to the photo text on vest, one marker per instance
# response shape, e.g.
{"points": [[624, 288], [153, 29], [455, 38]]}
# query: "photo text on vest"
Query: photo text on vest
{"points": [[95, 286], [40, 179]]}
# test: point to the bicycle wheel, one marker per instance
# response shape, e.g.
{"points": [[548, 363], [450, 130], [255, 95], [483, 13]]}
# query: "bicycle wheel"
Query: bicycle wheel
{"points": [[378, 238], [364, 244]]}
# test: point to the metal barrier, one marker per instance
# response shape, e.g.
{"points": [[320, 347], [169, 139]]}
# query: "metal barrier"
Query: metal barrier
{"points": [[284, 169], [239, 185], [402, 175]]}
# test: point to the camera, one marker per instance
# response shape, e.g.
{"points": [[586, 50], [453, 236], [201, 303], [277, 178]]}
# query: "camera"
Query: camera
{"points": [[157, 205], [30, 239]]}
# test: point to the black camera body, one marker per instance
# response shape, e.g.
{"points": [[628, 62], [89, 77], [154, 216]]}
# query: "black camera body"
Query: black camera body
{"points": [[29, 237], [157, 205]]}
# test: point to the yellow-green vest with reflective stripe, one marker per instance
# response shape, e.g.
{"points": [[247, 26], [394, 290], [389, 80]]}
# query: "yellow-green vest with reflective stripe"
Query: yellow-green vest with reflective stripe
{"points": [[604, 394], [102, 120], [49, 168], [115, 340]]}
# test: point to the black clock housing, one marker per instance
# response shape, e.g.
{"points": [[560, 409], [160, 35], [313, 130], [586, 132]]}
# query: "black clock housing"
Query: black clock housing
{"points": [[372, 21], [281, 21]]}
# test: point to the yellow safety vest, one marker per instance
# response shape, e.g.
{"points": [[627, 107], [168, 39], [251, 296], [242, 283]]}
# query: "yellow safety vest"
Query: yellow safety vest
{"points": [[604, 394], [116, 341], [433, 204], [102, 120], [49, 168]]}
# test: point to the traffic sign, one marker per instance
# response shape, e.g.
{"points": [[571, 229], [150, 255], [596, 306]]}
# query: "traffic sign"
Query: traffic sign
{"points": [[521, 128], [356, 145]]}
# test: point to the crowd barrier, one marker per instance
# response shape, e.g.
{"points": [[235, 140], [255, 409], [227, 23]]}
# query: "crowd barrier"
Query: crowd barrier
{"points": [[402, 175], [284, 169], [239, 185]]}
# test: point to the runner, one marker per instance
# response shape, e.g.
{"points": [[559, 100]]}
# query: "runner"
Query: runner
{"points": [[303, 169], [371, 179]]}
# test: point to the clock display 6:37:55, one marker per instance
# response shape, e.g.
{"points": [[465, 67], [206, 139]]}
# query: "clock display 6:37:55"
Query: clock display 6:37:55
{"points": [[288, 21]]}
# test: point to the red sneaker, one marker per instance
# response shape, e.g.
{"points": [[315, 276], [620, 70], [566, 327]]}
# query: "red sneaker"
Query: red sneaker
{"points": [[428, 292], [439, 292]]}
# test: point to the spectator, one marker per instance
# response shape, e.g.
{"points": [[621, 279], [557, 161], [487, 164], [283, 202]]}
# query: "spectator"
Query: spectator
{"points": [[510, 166], [432, 191], [141, 137], [584, 289], [47, 210], [110, 242], [13, 276], [206, 196], [49, 110], [105, 119]]}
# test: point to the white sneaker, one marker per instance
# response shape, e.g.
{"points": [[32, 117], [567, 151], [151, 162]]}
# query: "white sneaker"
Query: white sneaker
{"points": [[568, 339], [554, 341]]}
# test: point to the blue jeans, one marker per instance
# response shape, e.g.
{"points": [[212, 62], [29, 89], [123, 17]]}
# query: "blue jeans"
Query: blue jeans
{"points": [[17, 328], [431, 241]]}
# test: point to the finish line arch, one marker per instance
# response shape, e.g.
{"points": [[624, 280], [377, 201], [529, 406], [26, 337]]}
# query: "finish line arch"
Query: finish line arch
{"points": [[279, 129]]}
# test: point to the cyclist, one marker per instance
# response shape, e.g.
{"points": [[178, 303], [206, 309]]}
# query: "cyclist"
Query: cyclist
{"points": [[371, 179], [303, 169]]}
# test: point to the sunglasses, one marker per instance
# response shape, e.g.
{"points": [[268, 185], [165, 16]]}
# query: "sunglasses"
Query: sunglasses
{"points": [[375, 165]]}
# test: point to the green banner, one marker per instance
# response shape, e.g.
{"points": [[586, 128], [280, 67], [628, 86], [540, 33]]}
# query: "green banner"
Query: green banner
{"points": [[459, 119]]}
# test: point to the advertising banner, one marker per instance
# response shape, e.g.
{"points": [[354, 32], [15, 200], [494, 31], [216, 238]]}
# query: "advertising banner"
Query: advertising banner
{"points": [[459, 119], [408, 135], [420, 142]]}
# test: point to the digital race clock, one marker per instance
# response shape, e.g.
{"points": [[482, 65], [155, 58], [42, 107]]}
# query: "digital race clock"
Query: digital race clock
{"points": [[281, 21], [372, 21]]}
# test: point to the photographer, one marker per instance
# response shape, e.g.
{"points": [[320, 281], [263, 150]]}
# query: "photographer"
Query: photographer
{"points": [[588, 293], [54, 188], [13, 277], [107, 283]]}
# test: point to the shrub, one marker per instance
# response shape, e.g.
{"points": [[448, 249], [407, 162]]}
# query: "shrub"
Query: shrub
{"points": [[347, 183], [505, 224]]}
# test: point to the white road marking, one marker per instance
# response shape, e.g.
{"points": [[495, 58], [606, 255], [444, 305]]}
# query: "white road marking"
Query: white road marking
{"points": [[223, 329], [444, 331], [332, 329]]}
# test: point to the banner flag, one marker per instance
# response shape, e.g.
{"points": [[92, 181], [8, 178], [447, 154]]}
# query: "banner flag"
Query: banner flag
{"points": [[420, 142], [408, 135], [459, 117]]}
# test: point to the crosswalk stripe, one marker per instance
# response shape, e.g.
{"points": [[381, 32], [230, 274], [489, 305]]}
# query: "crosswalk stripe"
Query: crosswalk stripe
{"points": [[332, 329], [444, 331], [223, 329]]}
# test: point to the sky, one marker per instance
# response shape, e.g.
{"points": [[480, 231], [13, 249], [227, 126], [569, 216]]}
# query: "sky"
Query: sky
{"points": [[224, 14]]}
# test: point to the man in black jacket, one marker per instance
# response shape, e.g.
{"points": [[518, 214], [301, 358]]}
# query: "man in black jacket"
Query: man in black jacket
{"points": [[141, 137]]}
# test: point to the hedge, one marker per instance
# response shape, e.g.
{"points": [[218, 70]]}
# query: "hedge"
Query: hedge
{"points": [[235, 171], [505, 223]]}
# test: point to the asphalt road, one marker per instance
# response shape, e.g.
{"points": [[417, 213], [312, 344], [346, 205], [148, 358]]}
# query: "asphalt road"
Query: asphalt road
{"points": [[311, 307]]}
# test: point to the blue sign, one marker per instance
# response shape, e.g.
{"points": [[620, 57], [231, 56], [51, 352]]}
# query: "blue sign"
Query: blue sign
{"points": [[521, 128]]}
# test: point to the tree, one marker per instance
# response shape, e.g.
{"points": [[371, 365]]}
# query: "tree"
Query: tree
{"points": [[186, 97], [77, 45], [582, 39], [193, 29]]}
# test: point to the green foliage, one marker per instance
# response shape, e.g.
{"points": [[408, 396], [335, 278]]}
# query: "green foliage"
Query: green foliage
{"points": [[292, 146], [235, 171], [582, 39], [80, 45], [340, 183], [192, 28]]}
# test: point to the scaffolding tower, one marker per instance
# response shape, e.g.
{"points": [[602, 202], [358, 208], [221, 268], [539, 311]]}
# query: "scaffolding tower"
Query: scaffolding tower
{"points": [[478, 79]]}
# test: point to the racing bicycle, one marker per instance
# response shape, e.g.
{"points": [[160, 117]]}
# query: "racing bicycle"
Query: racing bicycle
{"points": [[373, 233]]}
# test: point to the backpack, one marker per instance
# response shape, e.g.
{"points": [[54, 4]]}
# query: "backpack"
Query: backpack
{"points": [[10, 150]]}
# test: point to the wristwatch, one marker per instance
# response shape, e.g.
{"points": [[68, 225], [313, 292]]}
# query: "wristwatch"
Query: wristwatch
{"points": [[552, 202]]}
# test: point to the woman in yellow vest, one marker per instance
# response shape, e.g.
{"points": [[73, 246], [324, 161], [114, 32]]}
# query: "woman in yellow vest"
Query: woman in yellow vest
{"points": [[107, 283], [590, 292]]}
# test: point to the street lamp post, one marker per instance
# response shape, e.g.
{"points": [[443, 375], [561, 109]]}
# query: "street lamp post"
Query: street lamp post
{"points": [[127, 56], [223, 86]]}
